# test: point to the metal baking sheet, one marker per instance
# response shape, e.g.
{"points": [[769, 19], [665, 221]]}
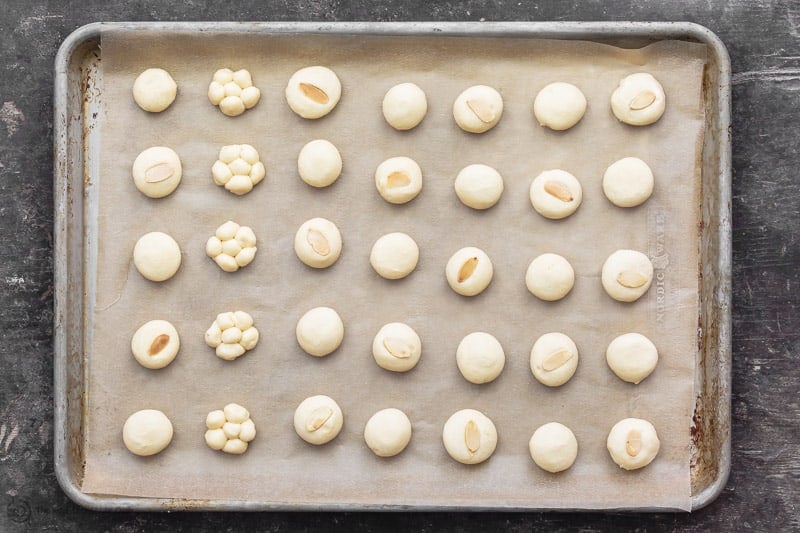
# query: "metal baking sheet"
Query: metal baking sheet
{"points": [[78, 93]]}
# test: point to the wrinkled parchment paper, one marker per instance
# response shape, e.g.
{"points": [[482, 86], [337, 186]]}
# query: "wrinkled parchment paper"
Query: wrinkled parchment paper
{"points": [[277, 289]]}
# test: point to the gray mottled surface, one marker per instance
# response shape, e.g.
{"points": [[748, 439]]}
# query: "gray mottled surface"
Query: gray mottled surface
{"points": [[764, 41]]}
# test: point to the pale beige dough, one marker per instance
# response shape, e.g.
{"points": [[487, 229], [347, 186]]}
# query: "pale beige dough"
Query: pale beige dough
{"points": [[480, 357], [155, 344], [232, 246], [404, 106], [230, 429], [550, 277], [469, 436], [398, 180], [388, 432], [397, 347], [556, 194], [632, 357], [157, 171], [633, 443], [626, 275], [313, 92], [478, 109], [320, 331], [559, 106], [318, 243], [628, 182], [154, 90], [553, 447], [319, 163], [232, 334], [157, 256], [394, 255], [318, 419], [147, 432], [554, 359], [233, 92], [479, 186], [639, 100], [469, 271], [238, 168]]}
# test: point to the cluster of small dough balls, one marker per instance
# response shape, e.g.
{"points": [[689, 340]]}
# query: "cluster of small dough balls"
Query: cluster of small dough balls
{"points": [[233, 92], [238, 168], [232, 246], [232, 334], [230, 429]]}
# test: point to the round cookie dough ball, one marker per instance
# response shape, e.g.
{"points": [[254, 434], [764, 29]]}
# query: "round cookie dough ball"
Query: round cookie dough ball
{"points": [[633, 443], [479, 186], [157, 256], [556, 194], [554, 359], [319, 163], [154, 90], [155, 344], [147, 432], [157, 171], [632, 357], [639, 100], [469, 436], [318, 419], [478, 109], [553, 447], [550, 277], [318, 243], [388, 432], [469, 271], [320, 331], [397, 347], [480, 357], [559, 106], [313, 92], [627, 275], [394, 255], [628, 182], [230, 429], [404, 106], [398, 179]]}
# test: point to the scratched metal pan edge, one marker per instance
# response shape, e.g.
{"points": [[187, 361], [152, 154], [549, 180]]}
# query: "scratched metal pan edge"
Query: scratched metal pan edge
{"points": [[77, 73]]}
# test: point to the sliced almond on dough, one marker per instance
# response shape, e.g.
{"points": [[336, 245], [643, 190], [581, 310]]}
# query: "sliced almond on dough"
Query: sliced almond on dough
{"points": [[397, 347], [467, 269], [631, 279], [158, 344], [312, 92], [642, 100], [397, 179], [482, 109], [633, 442], [318, 417], [158, 173], [472, 436], [558, 189], [318, 242], [556, 360]]}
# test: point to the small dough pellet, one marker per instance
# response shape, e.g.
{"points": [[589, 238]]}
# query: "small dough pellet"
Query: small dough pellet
{"points": [[147, 432], [157, 256], [628, 182], [632, 357], [633, 443], [157, 171], [238, 169], [155, 344], [232, 334], [550, 277], [556, 194], [318, 243], [478, 109], [230, 429], [559, 106], [320, 331], [398, 180], [388, 432], [404, 106], [319, 163], [394, 255], [397, 347], [318, 419], [626, 275], [233, 92], [553, 447], [479, 186], [232, 246], [554, 359], [154, 90], [469, 271], [480, 357], [469, 436], [313, 92], [639, 100]]}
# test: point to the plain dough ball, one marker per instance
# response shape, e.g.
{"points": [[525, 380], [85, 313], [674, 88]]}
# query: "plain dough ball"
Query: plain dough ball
{"points": [[627, 275], [639, 100], [318, 243], [147, 432], [480, 357], [553, 447], [157, 171], [479, 186], [633, 443], [313, 92], [404, 106], [319, 163], [632, 357], [469, 271], [154, 90], [388, 432], [320, 331], [554, 359], [155, 344], [318, 419], [398, 180], [469, 436], [628, 182], [478, 109], [556, 194], [157, 256], [394, 255], [559, 106], [397, 347], [550, 277]]}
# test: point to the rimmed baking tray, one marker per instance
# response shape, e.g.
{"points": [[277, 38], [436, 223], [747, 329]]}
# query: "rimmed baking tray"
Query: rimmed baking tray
{"points": [[78, 94]]}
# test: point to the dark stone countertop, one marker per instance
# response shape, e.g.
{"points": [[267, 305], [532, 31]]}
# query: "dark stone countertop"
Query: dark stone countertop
{"points": [[763, 38]]}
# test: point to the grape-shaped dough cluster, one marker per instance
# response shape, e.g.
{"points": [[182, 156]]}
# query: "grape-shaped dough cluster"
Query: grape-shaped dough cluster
{"points": [[238, 168], [233, 92], [230, 429], [232, 334], [232, 246]]}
